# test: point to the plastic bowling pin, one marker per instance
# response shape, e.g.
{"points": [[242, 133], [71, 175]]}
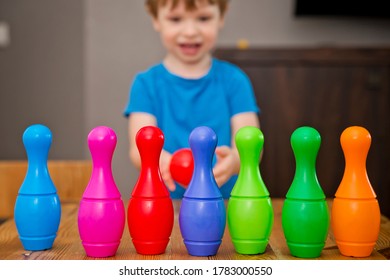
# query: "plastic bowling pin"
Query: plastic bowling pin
{"points": [[182, 166], [101, 216], [250, 213], [202, 215], [150, 210], [305, 213], [37, 207], [355, 210]]}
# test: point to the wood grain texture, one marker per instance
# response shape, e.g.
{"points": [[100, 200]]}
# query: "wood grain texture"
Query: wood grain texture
{"points": [[67, 245]]}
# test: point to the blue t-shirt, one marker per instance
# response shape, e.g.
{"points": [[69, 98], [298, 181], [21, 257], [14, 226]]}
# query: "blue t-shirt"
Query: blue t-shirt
{"points": [[181, 104]]}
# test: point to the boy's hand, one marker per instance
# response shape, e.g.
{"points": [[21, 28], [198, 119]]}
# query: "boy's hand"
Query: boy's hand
{"points": [[165, 160], [228, 164]]}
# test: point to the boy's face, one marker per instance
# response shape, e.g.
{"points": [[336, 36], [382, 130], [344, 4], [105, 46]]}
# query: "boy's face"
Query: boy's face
{"points": [[187, 35]]}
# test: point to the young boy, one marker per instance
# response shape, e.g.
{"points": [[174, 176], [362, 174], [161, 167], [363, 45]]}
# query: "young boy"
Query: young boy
{"points": [[190, 88]]}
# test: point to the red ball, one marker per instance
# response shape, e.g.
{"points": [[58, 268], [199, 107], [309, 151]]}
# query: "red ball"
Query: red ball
{"points": [[182, 166]]}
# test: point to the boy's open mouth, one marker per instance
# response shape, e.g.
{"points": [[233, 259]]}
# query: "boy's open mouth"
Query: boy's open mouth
{"points": [[190, 49]]}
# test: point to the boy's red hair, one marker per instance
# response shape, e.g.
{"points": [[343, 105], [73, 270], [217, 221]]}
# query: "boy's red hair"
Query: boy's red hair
{"points": [[152, 5]]}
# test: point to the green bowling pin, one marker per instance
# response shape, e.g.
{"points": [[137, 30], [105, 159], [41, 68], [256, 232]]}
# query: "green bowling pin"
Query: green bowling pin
{"points": [[250, 213], [305, 214]]}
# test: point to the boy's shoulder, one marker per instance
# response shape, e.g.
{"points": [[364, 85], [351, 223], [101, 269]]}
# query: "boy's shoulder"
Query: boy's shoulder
{"points": [[224, 64], [150, 71], [227, 68]]}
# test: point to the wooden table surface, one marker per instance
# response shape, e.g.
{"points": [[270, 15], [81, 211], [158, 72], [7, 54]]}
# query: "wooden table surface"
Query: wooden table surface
{"points": [[67, 245]]}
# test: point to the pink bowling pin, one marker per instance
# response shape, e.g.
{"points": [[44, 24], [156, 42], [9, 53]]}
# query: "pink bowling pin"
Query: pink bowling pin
{"points": [[101, 216]]}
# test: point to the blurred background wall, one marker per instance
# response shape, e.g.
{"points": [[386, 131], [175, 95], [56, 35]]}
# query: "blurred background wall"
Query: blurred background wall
{"points": [[69, 64]]}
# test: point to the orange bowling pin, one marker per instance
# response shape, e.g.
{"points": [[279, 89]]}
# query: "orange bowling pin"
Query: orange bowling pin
{"points": [[355, 213]]}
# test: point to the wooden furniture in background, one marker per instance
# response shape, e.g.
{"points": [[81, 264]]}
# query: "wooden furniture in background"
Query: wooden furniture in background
{"points": [[69, 176], [328, 89], [67, 245]]}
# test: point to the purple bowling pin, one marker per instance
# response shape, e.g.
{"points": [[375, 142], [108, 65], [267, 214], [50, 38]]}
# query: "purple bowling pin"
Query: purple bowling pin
{"points": [[202, 216], [101, 216]]}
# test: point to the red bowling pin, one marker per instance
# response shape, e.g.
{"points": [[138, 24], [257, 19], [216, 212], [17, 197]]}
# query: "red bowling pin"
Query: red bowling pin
{"points": [[150, 210], [101, 216]]}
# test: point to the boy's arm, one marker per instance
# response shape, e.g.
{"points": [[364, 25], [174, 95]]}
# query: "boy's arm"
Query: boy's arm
{"points": [[228, 160], [136, 122]]}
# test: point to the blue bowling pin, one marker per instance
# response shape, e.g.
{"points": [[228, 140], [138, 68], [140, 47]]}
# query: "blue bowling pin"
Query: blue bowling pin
{"points": [[37, 208], [202, 215]]}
